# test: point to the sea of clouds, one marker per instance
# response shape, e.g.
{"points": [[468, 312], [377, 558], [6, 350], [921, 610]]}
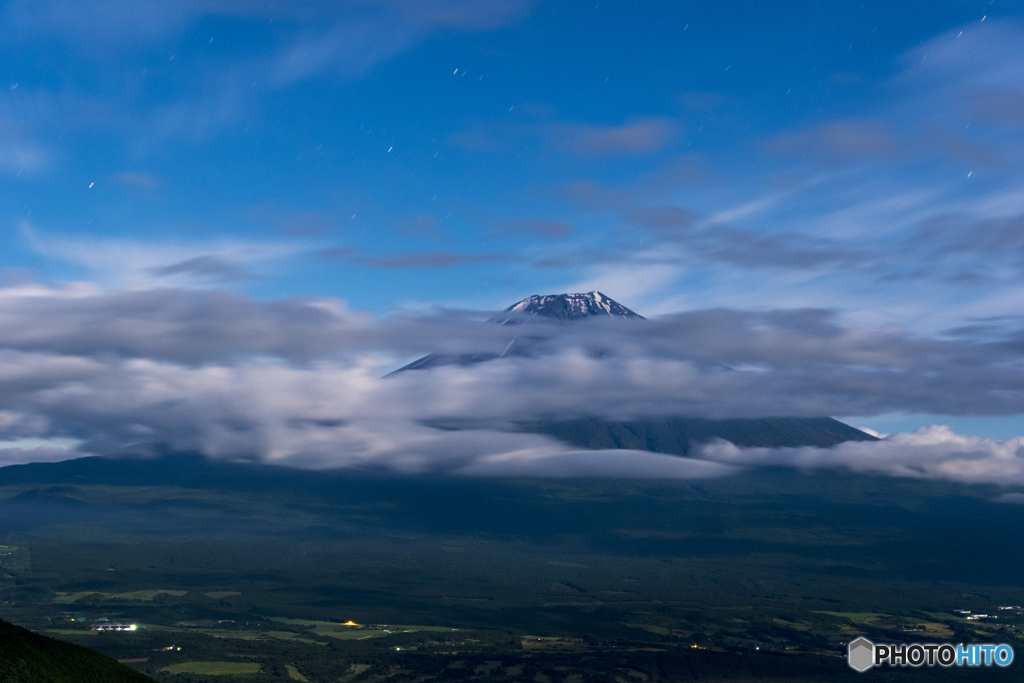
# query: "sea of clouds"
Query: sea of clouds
{"points": [[301, 382]]}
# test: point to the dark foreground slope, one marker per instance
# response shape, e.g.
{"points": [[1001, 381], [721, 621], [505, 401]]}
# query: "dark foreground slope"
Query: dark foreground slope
{"points": [[27, 657]]}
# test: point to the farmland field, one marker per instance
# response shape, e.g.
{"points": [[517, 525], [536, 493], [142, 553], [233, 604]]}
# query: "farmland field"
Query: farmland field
{"points": [[341, 578]]}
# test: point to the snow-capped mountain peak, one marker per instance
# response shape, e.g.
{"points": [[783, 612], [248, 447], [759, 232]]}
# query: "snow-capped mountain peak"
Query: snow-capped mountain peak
{"points": [[571, 306], [564, 307]]}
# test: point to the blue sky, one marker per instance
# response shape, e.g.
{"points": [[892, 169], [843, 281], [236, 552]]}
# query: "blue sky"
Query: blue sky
{"points": [[862, 159], [492, 150]]}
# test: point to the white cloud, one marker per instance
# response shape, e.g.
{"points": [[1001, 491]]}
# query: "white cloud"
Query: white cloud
{"points": [[298, 382], [123, 264], [619, 464], [934, 452], [20, 154]]}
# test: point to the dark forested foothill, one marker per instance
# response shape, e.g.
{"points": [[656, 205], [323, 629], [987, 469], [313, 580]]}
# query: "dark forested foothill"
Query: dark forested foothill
{"points": [[27, 657]]}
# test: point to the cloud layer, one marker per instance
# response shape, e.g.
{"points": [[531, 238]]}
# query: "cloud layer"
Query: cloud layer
{"points": [[930, 453], [300, 382]]}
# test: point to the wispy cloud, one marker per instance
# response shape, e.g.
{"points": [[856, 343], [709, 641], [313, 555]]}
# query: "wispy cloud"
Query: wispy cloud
{"points": [[535, 227], [433, 259], [839, 141], [133, 264], [309, 40], [636, 136], [138, 179], [20, 153], [909, 212], [208, 268], [118, 25]]}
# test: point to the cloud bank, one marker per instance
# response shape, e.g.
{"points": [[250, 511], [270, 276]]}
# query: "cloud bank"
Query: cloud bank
{"points": [[929, 453], [300, 382]]}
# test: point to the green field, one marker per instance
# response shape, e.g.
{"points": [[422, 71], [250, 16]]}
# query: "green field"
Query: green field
{"points": [[66, 598], [213, 668]]}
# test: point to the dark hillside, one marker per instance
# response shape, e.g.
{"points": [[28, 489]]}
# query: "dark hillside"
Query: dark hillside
{"points": [[680, 435], [27, 657]]}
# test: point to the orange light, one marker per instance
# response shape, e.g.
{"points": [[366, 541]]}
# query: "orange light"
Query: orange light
{"points": [[350, 623]]}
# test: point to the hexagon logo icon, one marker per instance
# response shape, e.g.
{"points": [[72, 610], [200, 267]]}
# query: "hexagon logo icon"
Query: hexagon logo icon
{"points": [[860, 654]]}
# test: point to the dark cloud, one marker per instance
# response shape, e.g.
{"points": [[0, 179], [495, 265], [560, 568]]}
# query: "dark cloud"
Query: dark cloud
{"points": [[299, 223], [988, 249], [137, 179], [422, 226], [703, 101], [961, 249], [481, 139], [958, 99], [335, 253], [433, 259], [671, 218], [845, 78], [838, 141], [687, 169], [595, 196], [203, 326], [745, 248], [1002, 107], [751, 249], [536, 228], [575, 258], [211, 268], [948, 145], [636, 136], [307, 224]]}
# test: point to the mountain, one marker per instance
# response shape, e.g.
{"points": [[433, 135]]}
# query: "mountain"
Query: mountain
{"points": [[27, 657], [568, 307], [676, 436], [683, 435]]}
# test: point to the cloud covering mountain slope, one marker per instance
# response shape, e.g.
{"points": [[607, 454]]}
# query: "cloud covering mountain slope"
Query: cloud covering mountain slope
{"points": [[299, 381]]}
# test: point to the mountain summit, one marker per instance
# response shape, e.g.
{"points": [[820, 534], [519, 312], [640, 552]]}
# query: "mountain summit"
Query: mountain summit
{"points": [[570, 307], [567, 307]]}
